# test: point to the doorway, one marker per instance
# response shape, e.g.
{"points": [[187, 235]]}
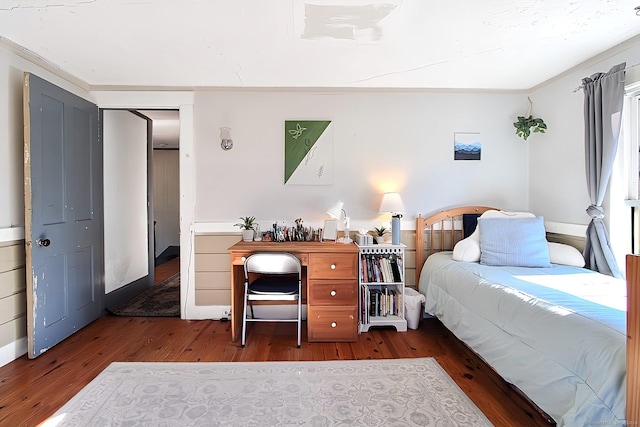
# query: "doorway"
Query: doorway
{"points": [[183, 102], [157, 205]]}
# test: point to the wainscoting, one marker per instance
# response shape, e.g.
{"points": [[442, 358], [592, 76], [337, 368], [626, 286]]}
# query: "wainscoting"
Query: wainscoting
{"points": [[212, 265], [13, 304]]}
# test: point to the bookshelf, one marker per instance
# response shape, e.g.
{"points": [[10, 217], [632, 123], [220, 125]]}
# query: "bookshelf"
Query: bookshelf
{"points": [[381, 287]]}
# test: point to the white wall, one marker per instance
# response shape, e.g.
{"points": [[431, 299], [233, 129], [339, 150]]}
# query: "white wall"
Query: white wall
{"points": [[126, 256], [384, 141], [557, 181]]}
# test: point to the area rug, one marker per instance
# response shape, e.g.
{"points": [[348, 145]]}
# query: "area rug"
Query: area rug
{"points": [[388, 392], [160, 300]]}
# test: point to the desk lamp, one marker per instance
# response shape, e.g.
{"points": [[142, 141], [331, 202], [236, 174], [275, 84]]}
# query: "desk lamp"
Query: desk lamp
{"points": [[392, 203], [336, 211]]}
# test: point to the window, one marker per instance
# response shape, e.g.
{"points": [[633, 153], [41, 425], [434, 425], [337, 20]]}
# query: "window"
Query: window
{"points": [[624, 188]]}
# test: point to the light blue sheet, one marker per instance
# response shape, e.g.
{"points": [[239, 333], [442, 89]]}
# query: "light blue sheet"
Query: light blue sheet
{"points": [[600, 298], [541, 329]]}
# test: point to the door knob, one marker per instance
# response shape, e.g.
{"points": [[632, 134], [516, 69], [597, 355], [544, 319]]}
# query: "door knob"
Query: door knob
{"points": [[43, 242]]}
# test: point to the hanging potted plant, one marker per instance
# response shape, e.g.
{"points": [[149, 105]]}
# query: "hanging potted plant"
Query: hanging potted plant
{"points": [[527, 124], [247, 226]]}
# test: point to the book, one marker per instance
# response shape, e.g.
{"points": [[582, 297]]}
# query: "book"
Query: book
{"points": [[395, 269], [363, 270], [372, 302]]}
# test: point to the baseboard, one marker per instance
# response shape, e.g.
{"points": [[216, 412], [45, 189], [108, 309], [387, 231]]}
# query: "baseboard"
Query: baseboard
{"points": [[125, 293], [12, 351], [168, 254]]}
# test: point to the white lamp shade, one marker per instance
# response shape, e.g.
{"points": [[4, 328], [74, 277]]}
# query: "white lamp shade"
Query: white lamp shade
{"points": [[335, 211], [391, 203]]}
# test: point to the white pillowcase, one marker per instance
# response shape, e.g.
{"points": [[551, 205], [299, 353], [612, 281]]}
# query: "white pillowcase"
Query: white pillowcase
{"points": [[469, 249], [559, 253]]}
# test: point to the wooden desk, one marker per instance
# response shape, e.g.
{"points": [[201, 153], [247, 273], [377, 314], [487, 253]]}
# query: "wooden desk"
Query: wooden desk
{"points": [[330, 285]]}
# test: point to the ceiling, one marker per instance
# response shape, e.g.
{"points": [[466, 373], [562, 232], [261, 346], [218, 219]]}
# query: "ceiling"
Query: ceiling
{"points": [[166, 128], [464, 44]]}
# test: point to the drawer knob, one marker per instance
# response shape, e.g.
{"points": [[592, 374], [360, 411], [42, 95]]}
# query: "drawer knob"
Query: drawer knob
{"points": [[334, 324], [333, 266], [243, 259], [333, 293]]}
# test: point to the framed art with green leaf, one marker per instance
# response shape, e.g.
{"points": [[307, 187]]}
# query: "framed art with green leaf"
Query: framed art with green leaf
{"points": [[308, 152]]}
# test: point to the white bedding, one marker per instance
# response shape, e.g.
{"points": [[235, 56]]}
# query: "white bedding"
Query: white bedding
{"points": [[548, 337]]}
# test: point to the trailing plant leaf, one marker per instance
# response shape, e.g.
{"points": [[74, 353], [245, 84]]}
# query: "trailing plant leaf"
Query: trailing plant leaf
{"points": [[525, 125]]}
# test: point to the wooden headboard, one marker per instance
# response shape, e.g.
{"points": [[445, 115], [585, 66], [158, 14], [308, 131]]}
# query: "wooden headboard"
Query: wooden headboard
{"points": [[440, 232]]}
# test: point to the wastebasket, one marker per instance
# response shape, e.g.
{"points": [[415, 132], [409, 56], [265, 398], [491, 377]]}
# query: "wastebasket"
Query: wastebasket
{"points": [[412, 306]]}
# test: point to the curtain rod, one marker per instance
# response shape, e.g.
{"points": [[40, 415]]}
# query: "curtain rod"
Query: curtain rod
{"points": [[626, 68]]}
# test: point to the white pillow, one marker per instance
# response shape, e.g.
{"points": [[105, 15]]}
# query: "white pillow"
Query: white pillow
{"points": [[559, 253], [469, 249]]}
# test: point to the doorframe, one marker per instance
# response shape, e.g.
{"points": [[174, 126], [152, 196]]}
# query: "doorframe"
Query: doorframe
{"points": [[128, 291], [183, 102]]}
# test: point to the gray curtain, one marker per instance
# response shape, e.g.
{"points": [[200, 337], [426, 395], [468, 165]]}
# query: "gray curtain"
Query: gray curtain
{"points": [[603, 99]]}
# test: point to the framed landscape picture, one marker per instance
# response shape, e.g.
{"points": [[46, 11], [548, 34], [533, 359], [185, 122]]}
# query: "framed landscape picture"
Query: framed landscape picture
{"points": [[466, 146]]}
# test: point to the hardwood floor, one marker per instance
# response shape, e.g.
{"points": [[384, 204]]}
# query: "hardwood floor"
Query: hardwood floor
{"points": [[166, 270], [32, 390]]}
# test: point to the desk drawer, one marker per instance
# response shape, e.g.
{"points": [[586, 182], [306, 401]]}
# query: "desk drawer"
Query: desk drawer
{"points": [[237, 258], [332, 324], [333, 266], [333, 292]]}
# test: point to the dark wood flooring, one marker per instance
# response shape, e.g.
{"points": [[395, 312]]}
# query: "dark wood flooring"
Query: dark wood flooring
{"points": [[32, 390]]}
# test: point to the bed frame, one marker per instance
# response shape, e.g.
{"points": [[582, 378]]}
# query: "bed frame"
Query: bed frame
{"points": [[442, 230]]}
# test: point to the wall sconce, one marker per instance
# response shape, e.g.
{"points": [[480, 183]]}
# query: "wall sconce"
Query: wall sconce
{"points": [[392, 203], [225, 137], [336, 211]]}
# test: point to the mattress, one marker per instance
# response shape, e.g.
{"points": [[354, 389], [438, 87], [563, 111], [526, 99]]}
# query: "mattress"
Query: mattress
{"points": [[558, 333]]}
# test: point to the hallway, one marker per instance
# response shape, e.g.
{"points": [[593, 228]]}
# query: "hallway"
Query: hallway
{"points": [[166, 270]]}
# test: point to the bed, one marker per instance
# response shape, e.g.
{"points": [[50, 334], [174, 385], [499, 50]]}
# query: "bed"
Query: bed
{"points": [[565, 352]]}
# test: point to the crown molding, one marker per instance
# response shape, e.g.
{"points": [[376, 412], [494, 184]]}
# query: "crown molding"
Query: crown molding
{"points": [[36, 59]]}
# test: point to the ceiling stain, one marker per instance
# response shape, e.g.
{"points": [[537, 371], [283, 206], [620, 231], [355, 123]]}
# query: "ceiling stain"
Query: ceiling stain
{"points": [[345, 22]]}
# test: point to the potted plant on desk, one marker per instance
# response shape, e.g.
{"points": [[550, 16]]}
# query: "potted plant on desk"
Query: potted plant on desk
{"points": [[247, 226]]}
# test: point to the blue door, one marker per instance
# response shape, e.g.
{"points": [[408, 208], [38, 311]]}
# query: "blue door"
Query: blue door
{"points": [[63, 213]]}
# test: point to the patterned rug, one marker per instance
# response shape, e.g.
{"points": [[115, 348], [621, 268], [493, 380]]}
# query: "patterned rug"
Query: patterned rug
{"points": [[386, 392], [161, 300]]}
